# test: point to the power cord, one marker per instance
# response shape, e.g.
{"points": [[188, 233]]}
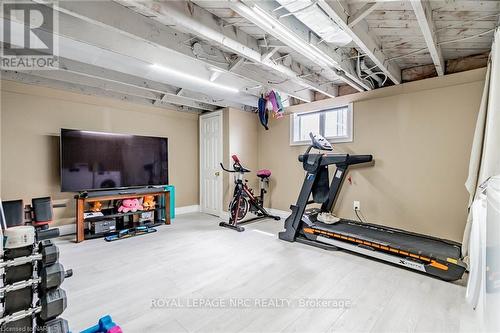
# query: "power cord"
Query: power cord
{"points": [[357, 215]]}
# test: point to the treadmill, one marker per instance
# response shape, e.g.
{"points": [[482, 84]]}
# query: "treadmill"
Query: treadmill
{"points": [[434, 256]]}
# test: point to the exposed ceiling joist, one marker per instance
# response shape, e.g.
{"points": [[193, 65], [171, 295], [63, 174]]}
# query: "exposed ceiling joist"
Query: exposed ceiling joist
{"points": [[193, 99], [105, 84], [178, 100], [303, 41], [423, 12], [87, 90], [87, 42], [363, 39], [202, 23], [145, 29], [268, 55], [362, 13]]}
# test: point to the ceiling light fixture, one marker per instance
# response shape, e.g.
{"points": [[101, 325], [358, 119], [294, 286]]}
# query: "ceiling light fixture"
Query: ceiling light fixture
{"points": [[267, 22], [194, 78]]}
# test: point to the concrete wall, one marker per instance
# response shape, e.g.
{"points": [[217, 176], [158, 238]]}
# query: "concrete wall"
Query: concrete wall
{"points": [[31, 121], [420, 134]]}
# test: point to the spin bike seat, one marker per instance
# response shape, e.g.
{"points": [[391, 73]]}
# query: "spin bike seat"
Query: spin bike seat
{"points": [[264, 173]]}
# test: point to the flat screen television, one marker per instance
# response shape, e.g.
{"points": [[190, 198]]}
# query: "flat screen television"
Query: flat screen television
{"points": [[97, 160]]}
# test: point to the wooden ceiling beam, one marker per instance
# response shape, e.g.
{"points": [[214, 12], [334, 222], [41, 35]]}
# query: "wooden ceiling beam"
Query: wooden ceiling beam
{"points": [[423, 12], [362, 13]]}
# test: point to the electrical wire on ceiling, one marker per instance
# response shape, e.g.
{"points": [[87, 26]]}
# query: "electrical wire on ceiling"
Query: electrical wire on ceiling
{"points": [[357, 56], [206, 56], [451, 26], [457, 40], [406, 55], [234, 23], [305, 75], [378, 73], [358, 71], [281, 82], [211, 60], [373, 67], [467, 38], [368, 76]]}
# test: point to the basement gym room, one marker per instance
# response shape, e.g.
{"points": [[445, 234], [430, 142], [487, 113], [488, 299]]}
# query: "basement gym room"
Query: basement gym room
{"points": [[250, 166]]}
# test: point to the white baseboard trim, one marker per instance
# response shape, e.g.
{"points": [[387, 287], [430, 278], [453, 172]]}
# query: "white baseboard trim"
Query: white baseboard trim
{"points": [[70, 227], [281, 213], [187, 209], [67, 229]]}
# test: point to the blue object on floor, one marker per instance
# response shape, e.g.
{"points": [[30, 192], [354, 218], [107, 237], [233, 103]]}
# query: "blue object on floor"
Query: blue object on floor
{"points": [[127, 233], [104, 325]]}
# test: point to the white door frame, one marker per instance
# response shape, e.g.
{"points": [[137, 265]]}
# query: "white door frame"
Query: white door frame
{"points": [[221, 156]]}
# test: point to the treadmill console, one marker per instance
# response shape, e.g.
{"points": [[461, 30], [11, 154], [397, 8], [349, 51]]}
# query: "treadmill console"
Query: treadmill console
{"points": [[319, 142]]}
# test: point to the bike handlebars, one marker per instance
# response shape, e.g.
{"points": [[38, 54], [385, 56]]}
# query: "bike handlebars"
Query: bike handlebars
{"points": [[237, 167], [227, 170]]}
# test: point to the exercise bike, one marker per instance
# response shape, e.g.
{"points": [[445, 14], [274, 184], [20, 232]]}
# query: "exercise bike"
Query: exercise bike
{"points": [[244, 199]]}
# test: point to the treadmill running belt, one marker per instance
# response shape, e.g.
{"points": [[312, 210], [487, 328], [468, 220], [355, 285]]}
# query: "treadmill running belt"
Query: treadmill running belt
{"points": [[398, 240]]}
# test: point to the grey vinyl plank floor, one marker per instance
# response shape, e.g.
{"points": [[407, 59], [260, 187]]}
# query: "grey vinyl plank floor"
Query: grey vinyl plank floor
{"points": [[194, 260]]}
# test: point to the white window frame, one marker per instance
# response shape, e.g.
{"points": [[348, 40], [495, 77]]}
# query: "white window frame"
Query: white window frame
{"points": [[338, 139]]}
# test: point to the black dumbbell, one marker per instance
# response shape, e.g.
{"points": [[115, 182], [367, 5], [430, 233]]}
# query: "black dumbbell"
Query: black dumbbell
{"points": [[52, 276], [50, 305], [49, 252], [49, 277], [58, 325], [48, 255]]}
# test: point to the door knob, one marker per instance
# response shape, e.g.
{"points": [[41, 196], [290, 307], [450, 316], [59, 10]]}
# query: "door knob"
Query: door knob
{"points": [[217, 173]]}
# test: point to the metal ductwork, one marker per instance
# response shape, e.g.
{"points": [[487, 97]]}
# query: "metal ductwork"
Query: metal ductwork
{"points": [[315, 19]]}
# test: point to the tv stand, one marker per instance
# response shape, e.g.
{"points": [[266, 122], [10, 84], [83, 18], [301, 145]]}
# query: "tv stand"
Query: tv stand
{"points": [[149, 190], [84, 198]]}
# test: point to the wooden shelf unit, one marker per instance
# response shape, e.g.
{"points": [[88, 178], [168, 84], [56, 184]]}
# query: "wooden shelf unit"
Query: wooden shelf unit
{"points": [[82, 201]]}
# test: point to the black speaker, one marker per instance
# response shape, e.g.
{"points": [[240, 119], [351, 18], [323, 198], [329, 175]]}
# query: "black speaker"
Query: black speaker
{"points": [[42, 210], [14, 212]]}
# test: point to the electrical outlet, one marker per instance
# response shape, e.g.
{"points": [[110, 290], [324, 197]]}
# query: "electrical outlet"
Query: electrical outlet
{"points": [[356, 205]]}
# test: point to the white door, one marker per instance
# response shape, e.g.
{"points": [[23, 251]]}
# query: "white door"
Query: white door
{"points": [[210, 157]]}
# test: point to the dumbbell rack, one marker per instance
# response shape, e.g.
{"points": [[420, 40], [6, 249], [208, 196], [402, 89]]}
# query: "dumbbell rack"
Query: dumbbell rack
{"points": [[30, 297]]}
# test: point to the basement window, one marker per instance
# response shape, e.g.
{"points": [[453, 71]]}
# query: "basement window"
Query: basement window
{"points": [[334, 124]]}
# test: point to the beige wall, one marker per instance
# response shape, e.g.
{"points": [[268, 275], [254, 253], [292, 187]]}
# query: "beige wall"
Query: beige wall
{"points": [[31, 121], [240, 138], [420, 134]]}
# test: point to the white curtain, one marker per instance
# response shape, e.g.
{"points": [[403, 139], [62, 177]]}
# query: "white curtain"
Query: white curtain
{"points": [[485, 154]]}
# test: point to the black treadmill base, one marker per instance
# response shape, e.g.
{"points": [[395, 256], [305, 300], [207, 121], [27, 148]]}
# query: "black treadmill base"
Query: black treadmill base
{"points": [[317, 244]]}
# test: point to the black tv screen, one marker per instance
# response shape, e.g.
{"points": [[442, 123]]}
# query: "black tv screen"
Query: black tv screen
{"points": [[97, 160]]}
